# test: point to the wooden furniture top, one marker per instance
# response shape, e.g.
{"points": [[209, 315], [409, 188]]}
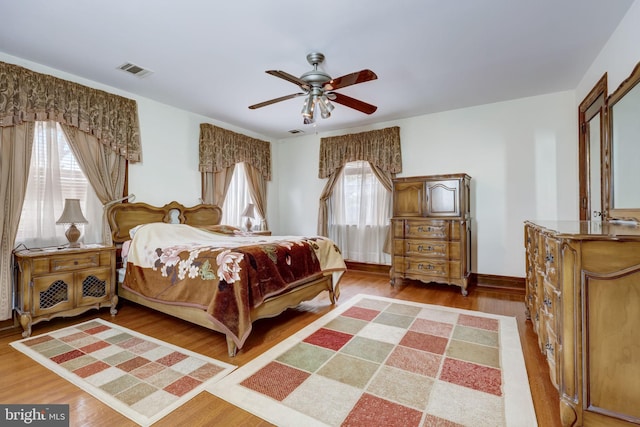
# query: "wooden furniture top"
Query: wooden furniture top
{"points": [[123, 217], [590, 230]]}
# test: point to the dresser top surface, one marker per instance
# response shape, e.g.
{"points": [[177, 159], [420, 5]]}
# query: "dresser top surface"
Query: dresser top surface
{"points": [[590, 229]]}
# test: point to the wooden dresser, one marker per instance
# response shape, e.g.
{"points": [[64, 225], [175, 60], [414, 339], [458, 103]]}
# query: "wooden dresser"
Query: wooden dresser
{"points": [[583, 299], [431, 228]]}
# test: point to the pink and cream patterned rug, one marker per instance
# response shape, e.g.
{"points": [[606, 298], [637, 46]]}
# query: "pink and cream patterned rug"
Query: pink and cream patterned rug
{"points": [[139, 376], [376, 361]]}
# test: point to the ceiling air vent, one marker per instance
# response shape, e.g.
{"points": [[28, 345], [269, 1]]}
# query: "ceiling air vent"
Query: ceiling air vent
{"points": [[294, 131], [134, 69]]}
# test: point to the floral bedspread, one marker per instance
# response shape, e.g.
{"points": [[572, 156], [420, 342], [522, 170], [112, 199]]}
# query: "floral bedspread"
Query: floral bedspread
{"points": [[225, 275]]}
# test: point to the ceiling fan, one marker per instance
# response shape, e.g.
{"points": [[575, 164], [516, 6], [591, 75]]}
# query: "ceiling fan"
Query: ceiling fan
{"points": [[319, 87]]}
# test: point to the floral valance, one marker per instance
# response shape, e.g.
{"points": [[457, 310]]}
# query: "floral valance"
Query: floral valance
{"points": [[29, 96], [380, 147], [221, 148]]}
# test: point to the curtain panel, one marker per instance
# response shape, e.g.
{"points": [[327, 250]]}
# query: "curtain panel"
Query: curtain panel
{"points": [[379, 147], [27, 96], [222, 148]]}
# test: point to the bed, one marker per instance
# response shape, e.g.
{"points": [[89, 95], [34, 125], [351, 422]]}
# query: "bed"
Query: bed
{"points": [[181, 261]]}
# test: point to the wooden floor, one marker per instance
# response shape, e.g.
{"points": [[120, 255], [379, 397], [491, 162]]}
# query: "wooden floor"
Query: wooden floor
{"points": [[25, 381]]}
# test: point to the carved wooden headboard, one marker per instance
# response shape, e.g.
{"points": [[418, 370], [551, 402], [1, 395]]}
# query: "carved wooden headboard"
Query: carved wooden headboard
{"points": [[123, 217]]}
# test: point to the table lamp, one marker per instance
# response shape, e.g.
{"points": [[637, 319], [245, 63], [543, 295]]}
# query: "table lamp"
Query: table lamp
{"points": [[72, 214], [249, 213]]}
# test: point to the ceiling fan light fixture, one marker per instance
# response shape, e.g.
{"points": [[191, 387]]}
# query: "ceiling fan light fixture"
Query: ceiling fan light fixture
{"points": [[324, 111], [327, 103], [307, 108]]}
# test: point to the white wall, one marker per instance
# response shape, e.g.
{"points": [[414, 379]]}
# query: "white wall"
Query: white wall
{"points": [[618, 57], [520, 154]]}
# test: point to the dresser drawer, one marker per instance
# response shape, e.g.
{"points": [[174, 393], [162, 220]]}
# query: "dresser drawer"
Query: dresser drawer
{"points": [[417, 267], [428, 248], [427, 229], [550, 259], [551, 349], [551, 301]]}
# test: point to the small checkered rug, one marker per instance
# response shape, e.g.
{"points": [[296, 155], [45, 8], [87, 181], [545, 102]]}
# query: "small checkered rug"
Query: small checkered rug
{"points": [[141, 377], [377, 361]]}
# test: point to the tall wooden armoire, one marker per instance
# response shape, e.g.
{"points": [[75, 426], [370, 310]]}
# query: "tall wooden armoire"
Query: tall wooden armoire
{"points": [[431, 227]]}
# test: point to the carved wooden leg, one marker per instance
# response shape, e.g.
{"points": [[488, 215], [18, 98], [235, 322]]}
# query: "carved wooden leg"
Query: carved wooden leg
{"points": [[332, 297], [25, 322], [231, 346], [465, 292], [114, 303]]}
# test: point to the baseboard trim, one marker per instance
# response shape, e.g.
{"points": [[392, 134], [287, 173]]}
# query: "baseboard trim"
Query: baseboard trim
{"points": [[492, 281], [370, 268], [485, 281]]}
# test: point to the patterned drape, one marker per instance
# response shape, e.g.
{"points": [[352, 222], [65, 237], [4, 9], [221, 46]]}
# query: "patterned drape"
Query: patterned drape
{"points": [[27, 96], [380, 147], [221, 148]]}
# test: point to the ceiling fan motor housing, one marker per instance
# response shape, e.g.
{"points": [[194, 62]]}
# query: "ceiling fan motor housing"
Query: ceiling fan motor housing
{"points": [[315, 77]]}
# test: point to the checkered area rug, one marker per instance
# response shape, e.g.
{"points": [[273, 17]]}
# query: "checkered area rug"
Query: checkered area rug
{"points": [[141, 377], [377, 361]]}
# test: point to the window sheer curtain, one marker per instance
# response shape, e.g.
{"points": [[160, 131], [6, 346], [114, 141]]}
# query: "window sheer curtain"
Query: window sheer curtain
{"points": [[55, 175], [359, 212], [237, 197]]}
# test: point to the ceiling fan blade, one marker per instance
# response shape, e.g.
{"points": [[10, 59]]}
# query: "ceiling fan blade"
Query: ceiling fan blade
{"points": [[356, 104], [351, 79], [273, 101], [290, 78]]}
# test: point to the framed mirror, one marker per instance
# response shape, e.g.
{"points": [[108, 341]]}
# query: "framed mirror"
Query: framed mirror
{"points": [[621, 165]]}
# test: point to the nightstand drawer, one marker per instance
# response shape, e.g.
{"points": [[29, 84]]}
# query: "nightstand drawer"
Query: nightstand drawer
{"points": [[80, 261]]}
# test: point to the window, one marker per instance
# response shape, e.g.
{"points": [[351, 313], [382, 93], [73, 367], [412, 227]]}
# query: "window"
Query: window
{"points": [[359, 212], [55, 175], [237, 199]]}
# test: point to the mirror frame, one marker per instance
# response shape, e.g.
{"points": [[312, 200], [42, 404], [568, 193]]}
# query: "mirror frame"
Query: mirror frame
{"points": [[627, 213], [594, 104]]}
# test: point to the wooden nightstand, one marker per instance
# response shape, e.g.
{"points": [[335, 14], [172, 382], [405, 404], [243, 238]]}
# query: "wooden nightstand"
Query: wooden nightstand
{"points": [[64, 282], [259, 233]]}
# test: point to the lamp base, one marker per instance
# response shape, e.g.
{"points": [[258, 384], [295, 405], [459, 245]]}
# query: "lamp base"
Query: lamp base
{"points": [[73, 234], [248, 224]]}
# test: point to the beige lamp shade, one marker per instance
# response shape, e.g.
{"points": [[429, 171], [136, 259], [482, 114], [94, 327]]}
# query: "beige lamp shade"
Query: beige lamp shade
{"points": [[249, 211], [72, 214]]}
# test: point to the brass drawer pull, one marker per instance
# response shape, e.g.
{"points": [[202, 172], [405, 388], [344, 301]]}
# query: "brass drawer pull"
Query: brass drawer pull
{"points": [[428, 267]]}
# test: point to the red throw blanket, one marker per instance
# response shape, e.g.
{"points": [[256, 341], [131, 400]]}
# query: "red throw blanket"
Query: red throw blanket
{"points": [[225, 281]]}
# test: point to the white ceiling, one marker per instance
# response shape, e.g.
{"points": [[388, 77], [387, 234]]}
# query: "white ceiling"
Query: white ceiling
{"points": [[210, 57]]}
